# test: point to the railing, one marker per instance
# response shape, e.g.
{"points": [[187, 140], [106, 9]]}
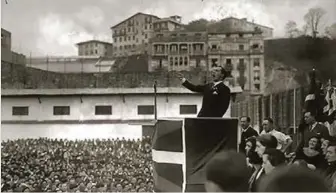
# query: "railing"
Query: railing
{"points": [[285, 108]]}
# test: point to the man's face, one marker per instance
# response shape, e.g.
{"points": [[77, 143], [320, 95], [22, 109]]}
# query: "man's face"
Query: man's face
{"points": [[324, 146], [309, 119], [266, 164], [244, 123], [331, 154], [248, 146], [217, 74], [267, 126]]}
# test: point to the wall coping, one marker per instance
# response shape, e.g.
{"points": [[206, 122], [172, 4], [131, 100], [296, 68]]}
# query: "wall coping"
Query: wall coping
{"points": [[100, 91]]}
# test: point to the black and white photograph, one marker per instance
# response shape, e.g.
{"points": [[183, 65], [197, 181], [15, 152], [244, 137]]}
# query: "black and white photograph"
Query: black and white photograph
{"points": [[168, 96]]}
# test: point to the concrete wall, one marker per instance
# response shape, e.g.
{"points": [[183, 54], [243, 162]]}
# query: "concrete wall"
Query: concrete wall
{"points": [[123, 107]]}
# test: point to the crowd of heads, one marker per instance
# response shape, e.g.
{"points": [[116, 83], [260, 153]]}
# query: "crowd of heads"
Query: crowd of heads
{"points": [[60, 165], [264, 166]]}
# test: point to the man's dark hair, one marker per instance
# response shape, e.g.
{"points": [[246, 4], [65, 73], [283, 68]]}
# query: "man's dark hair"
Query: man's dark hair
{"points": [[229, 171], [248, 119], [269, 119], [293, 179], [275, 157], [254, 158], [268, 140]]}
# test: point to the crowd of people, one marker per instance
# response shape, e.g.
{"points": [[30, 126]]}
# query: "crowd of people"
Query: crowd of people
{"points": [[60, 165], [268, 165]]}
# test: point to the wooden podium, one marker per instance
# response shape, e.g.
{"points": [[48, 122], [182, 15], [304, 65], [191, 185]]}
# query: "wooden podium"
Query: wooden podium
{"points": [[182, 147]]}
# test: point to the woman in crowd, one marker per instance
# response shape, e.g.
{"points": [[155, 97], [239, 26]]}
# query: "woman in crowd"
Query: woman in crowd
{"points": [[253, 159], [263, 142], [312, 154]]}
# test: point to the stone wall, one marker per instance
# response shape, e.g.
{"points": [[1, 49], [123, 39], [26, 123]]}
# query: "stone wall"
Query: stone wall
{"points": [[21, 77]]}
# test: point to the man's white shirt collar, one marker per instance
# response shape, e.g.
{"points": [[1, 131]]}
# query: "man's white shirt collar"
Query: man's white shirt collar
{"points": [[216, 83]]}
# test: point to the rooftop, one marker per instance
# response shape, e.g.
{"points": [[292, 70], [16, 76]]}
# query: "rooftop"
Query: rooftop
{"points": [[139, 13], [93, 41]]}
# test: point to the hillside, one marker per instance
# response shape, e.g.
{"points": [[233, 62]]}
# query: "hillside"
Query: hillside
{"points": [[303, 54]]}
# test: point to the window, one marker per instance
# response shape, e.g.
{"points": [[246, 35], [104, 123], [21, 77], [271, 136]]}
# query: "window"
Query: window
{"points": [[255, 46], [129, 29], [133, 37], [125, 38], [120, 39], [256, 62], [176, 61], [129, 38], [20, 111], [241, 47], [228, 61], [61, 110], [257, 86], [160, 63], [241, 61], [146, 110], [115, 39], [96, 51], [214, 62], [171, 61], [188, 109], [214, 47], [181, 61], [241, 35], [145, 36], [198, 61], [186, 61], [103, 110]]}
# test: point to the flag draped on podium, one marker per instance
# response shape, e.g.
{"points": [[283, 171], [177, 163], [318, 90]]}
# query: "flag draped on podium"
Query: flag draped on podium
{"points": [[181, 149]]}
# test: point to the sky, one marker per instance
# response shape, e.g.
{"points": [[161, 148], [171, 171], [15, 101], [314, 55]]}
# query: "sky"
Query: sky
{"points": [[50, 27]]}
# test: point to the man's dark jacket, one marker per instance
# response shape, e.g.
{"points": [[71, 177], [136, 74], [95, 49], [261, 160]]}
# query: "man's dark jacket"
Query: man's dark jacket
{"points": [[249, 132], [216, 99]]}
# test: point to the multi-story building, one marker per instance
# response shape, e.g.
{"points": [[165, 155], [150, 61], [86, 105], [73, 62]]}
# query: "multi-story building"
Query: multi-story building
{"points": [[168, 24], [178, 51], [244, 25], [95, 48], [6, 39], [7, 55], [242, 53], [131, 35]]}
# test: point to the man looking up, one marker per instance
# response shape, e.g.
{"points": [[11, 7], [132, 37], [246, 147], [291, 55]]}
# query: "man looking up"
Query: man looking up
{"points": [[216, 95]]}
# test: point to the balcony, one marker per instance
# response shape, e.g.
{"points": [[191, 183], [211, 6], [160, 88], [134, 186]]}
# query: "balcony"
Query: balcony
{"points": [[214, 51], [118, 34], [159, 53], [257, 51], [197, 52]]}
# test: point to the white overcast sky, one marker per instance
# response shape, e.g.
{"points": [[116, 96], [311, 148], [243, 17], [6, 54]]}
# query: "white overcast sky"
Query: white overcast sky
{"points": [[52, 27]]}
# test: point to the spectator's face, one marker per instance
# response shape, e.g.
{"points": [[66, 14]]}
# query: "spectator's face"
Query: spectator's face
{"points": [[266, 164], [267, 126], [309, 119], [119, 187], [312, 143], [324, 146], [331, 154], [134, 180], [248, 146], [260, 149], [244, 123]]}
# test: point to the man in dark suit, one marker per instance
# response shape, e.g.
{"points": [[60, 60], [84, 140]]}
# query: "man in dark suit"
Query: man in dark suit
{"points": [[216, 95], [247, 131], [314, 128]]}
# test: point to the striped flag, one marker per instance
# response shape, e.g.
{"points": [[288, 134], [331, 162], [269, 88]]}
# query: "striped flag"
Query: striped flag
{"points": [[181, 149], [330, 110]]}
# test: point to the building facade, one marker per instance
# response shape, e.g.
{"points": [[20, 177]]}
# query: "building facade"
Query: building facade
{"points": [[178, 51], [242, 53], [244, 25], [131, 36], [7, 55], [172, 23], [95, 48]]}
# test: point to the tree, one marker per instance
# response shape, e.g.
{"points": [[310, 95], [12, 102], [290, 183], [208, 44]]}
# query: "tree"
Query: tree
{"points": [[291, 29], [197, 25], [313, 20], [331, 31]]}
